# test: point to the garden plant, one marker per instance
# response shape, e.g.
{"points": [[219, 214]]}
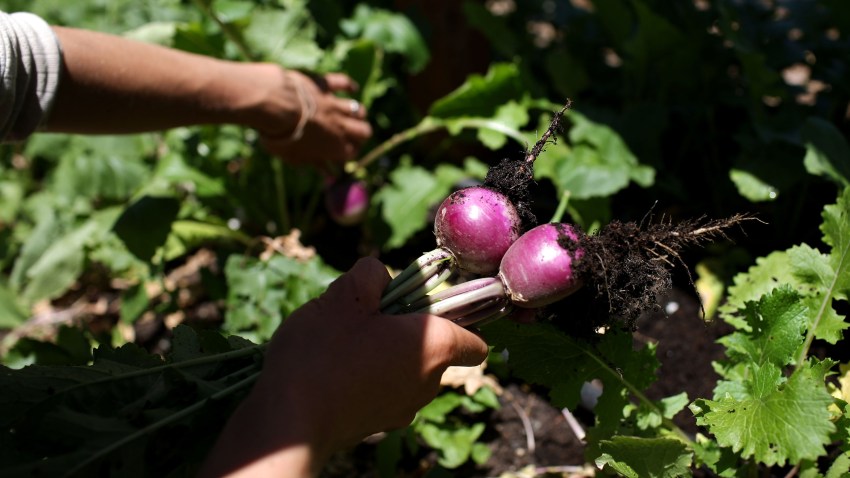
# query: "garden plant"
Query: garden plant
{"points": [[592, 159]]}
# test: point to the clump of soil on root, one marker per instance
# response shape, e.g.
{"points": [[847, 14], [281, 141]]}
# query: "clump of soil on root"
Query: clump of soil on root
{"points": [[513, 176], [626, 267]]}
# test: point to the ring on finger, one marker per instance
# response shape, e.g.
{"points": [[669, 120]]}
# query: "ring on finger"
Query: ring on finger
{"points": [[354, 107]]}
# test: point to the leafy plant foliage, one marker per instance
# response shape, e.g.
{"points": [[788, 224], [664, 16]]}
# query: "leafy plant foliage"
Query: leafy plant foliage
{"points": [[139, 272]]}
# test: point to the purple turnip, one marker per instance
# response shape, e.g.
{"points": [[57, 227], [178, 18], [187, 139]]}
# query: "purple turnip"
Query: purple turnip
{"points": [[538, 269], [346, 200], [474, 227], [477, 225]]}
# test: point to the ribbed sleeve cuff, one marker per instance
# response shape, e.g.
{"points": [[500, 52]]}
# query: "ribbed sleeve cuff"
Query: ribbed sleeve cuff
{"points": [[30, 69]]}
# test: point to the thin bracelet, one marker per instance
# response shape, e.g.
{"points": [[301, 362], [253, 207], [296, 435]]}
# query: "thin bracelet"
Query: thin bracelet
{"points": [[308, 108]]}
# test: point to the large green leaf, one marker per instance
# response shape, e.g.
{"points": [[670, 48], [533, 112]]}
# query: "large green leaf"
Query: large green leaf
{"points": [[122, 408], [285, 36], [412, 191], [597, 163], [480, 96], [11, 312], [393, 32], [775, 329], [49, 272], [145, 225], [777, 420], [109, 167]]}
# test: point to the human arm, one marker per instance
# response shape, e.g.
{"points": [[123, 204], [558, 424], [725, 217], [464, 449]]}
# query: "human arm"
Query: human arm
{"points": [[111, 84], [335, 372]]}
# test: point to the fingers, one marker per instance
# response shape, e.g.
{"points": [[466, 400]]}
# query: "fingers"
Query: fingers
{"points": [[340, 82]]}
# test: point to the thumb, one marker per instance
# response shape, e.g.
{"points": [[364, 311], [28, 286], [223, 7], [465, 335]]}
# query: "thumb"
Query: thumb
{"points": [[468, 349], [363, 283]]}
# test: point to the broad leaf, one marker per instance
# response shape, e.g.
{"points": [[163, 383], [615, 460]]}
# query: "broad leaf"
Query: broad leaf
{"points": [[61, 263], [775, 329], [596, 164], [827, 151], [541, 354], [480, 96], [778, 420], [285, 36], [145, 225], [636, 457], [411, 193], [93, 419], [393, 32]]}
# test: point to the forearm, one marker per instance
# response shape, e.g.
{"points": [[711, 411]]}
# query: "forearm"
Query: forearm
{"points": [[114, 85], [269, 436]]}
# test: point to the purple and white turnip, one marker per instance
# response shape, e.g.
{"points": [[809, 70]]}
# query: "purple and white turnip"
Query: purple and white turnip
{"points": [[488, 230]]}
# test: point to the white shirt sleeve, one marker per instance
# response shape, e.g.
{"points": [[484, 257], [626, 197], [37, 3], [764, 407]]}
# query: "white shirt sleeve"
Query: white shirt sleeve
{"points": [[30, 66]]}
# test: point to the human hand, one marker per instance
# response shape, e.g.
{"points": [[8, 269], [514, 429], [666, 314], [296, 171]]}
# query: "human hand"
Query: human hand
{"points": [[337, 371], [325, 129]]}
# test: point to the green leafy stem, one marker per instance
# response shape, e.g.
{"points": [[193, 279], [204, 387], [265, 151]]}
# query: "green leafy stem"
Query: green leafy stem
{"points": [[667, 422], [173, 418], [252, 369], [824, 307], [209, 359], [430, 124]]}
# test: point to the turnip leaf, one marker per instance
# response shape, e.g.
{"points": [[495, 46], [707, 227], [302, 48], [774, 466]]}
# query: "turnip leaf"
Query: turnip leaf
{"points": [[779, 420], [775, 329], [646, 457], [412, 191]]}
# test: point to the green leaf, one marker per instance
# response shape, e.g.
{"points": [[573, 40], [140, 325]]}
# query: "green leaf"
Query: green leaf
{"points": [[753, 187], [145, 225], [109, 167], [827, 151], [134, 301], [363, 61], [836, 233], [440, 407], [840, 468], [186, 235], [394, 33], [541, 354], [176, 172], [285, 36], [11, 312], [126, 405], [512, 115], [480, 96], [159, 33], [636, 457], [776, 327], [778, 420], [766, 275], [261, 294], [598, 164], [454, 443], [409, 195], [61, 263], [651, 416]]}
